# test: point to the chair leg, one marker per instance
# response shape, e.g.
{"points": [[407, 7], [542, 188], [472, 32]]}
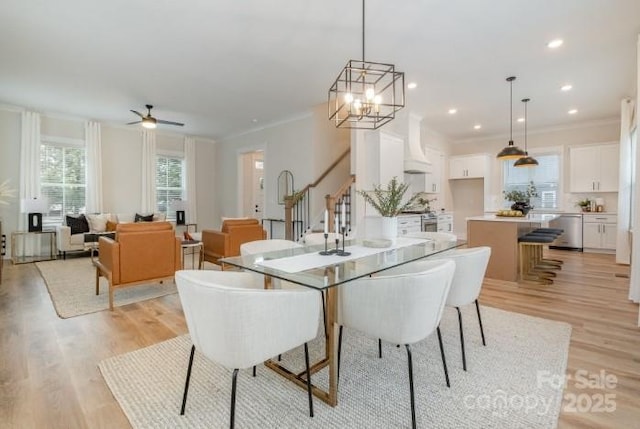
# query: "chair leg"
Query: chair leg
{"points": [[254, 370], [306, 361], [233, 397], [339, 350], [444, 359], [413, 401], [480, 321], [186, 382], [379, 348], [464, 358]]}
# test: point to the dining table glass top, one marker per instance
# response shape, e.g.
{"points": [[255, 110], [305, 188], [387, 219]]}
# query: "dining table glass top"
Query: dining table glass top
{"points": [[307, 267]]}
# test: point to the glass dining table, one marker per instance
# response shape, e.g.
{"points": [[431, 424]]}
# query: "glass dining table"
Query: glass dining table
{"points": [[306, 266]]}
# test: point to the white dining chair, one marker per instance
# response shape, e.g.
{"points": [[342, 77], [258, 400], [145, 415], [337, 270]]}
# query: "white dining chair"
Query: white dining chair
{"points": [[317, 238], [471, 265], [237, 325], [404, 305]]}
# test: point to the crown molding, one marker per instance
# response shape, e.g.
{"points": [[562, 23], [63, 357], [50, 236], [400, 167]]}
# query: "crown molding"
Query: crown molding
{"points": [[544, 130]]}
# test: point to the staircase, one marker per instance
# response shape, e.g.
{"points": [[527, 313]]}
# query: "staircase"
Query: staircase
{"points": [[299, 219]]}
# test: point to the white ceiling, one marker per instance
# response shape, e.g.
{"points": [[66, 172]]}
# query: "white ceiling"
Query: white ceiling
{"points": [[217, 65]]}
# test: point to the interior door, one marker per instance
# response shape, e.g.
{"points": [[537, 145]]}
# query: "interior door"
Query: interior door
{"points": [[253, 184]]}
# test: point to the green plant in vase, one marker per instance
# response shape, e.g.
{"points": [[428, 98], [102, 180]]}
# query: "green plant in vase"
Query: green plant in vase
{"points": [[522, 199]]}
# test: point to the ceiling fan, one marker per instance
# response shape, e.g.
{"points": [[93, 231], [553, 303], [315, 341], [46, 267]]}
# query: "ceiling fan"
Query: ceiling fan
{"points": [[149, 121]]}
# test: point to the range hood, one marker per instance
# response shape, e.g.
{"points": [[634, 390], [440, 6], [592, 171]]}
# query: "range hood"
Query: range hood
{"points": [[415, 161]]}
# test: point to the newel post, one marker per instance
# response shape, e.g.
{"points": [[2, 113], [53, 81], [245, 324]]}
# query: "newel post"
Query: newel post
{"points": [[288, 217], [330, 202]]}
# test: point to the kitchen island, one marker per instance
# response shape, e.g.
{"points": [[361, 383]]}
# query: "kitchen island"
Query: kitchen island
{"points": [[501, 234]]}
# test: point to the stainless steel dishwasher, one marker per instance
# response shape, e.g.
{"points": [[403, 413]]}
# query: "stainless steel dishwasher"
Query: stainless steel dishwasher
{"points": [[571, 239]]}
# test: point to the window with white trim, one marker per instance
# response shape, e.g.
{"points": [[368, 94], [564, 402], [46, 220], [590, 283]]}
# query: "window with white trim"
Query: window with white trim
{"points": [[169, 183], [62, 178], [545, 177]]}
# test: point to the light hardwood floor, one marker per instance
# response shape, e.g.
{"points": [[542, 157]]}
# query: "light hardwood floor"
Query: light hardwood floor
{"points": [[48, 366]]}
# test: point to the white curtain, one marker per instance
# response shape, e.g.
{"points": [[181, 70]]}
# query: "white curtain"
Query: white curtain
{"points": [[29, 161], [190, 180], [29, 172], [93, 167], [148, 172], [623, 243]]}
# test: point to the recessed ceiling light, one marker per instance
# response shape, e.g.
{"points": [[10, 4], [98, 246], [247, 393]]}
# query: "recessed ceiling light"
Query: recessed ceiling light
{"points": [[453, 111], [566, 87], [254, 120], [412, 85], [555, 43], [477, 126], [572, 111], [520, 119]]}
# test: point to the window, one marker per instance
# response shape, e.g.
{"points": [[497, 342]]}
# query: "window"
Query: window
{"points": [[62, 179], [169, 183], [545, 177]]}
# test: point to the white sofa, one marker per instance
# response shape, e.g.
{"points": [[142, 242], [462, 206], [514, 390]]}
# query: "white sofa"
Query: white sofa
{"points": [[67, 242]]}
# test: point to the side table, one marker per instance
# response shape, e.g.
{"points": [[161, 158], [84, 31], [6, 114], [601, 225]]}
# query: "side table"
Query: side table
{"points": [[38, 246], [195, 246]]}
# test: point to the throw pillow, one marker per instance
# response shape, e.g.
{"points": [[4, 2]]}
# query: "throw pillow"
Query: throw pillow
{"points": [[141, 218], [78, 224], [98, 222], [111, 226]]}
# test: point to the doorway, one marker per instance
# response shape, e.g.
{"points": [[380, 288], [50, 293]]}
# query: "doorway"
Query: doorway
{"points": [[252, 184]]}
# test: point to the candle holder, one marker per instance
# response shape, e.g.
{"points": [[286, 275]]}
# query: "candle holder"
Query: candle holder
{"points": [[338, 251], [325, 252]]}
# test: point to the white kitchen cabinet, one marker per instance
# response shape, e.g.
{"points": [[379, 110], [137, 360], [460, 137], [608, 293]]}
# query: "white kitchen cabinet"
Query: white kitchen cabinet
{"points": [[384, 157], [599, 232], [433, 181], [594, 168], [445, 222], [408, 224], [468, 166]]}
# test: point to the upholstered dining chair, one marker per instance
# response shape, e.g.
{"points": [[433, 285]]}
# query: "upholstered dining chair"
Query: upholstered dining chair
{"points": [[402, 306], [237, 325], [263, 246], [471, 265]]}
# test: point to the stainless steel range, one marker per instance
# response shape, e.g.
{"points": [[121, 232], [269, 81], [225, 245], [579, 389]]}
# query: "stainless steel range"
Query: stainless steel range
{"points": [[429, 222]]}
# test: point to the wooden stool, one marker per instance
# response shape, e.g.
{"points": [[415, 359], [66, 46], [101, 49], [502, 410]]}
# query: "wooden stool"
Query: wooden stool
{"points": [[533, 268]]}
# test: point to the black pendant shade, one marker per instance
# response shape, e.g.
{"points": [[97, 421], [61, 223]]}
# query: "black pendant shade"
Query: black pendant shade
{"points": [[526, 160], [511, 151]]}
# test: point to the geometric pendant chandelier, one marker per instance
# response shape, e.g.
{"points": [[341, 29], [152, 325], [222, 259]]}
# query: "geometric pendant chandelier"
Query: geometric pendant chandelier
{"points": [[366, 95], [511, 151], [526, 160]]}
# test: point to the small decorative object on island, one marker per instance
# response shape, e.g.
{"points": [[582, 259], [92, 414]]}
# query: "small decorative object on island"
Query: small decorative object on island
{"points": [[522, 199], [388, 203]]}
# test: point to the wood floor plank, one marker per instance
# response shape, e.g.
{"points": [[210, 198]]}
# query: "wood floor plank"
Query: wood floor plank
{"points": [[49, 375]]}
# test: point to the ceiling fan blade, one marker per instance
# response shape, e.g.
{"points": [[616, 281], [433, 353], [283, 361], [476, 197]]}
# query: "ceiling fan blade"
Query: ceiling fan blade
{"points": [[138, 113], [177, 124], [131, 123]]}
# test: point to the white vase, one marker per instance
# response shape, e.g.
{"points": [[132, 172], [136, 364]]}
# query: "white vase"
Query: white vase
{"points": [[389, 229]]}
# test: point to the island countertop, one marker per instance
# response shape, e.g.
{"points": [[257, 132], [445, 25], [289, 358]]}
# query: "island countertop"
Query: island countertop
{"points": [[530, 218]]}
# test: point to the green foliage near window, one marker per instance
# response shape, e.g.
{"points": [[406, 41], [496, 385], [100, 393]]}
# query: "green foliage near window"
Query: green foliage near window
{"points": [[388, 201], [521, 196]]}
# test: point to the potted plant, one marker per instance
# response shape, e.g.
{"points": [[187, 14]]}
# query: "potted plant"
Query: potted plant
{"points": [[388, 202], [585, 204], [521, 199]]}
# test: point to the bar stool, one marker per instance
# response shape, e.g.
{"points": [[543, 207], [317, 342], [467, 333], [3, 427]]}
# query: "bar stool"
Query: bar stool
{"points": [[532, 269], [555, 232]]}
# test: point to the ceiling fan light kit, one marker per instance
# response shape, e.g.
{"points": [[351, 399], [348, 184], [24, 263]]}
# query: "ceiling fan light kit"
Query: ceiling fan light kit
{"points": [[150, 122], [511, 151], [366, 94]]}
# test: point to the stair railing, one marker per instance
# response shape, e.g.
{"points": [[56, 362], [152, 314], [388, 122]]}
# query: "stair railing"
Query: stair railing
{"points": [[334, 202], [297, 207]]}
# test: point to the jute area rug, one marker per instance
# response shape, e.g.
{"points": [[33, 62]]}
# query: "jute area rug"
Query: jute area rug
{"points": [[505, 385], [71, 285]]}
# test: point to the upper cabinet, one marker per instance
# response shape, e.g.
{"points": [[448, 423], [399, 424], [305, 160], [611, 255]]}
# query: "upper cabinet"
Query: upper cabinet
{"points": [[468, 166], [594, 168], [433, 181]]}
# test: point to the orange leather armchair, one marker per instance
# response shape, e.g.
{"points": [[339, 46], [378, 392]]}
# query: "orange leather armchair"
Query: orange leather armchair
{"points": [[142, 253], [227, 241]]}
